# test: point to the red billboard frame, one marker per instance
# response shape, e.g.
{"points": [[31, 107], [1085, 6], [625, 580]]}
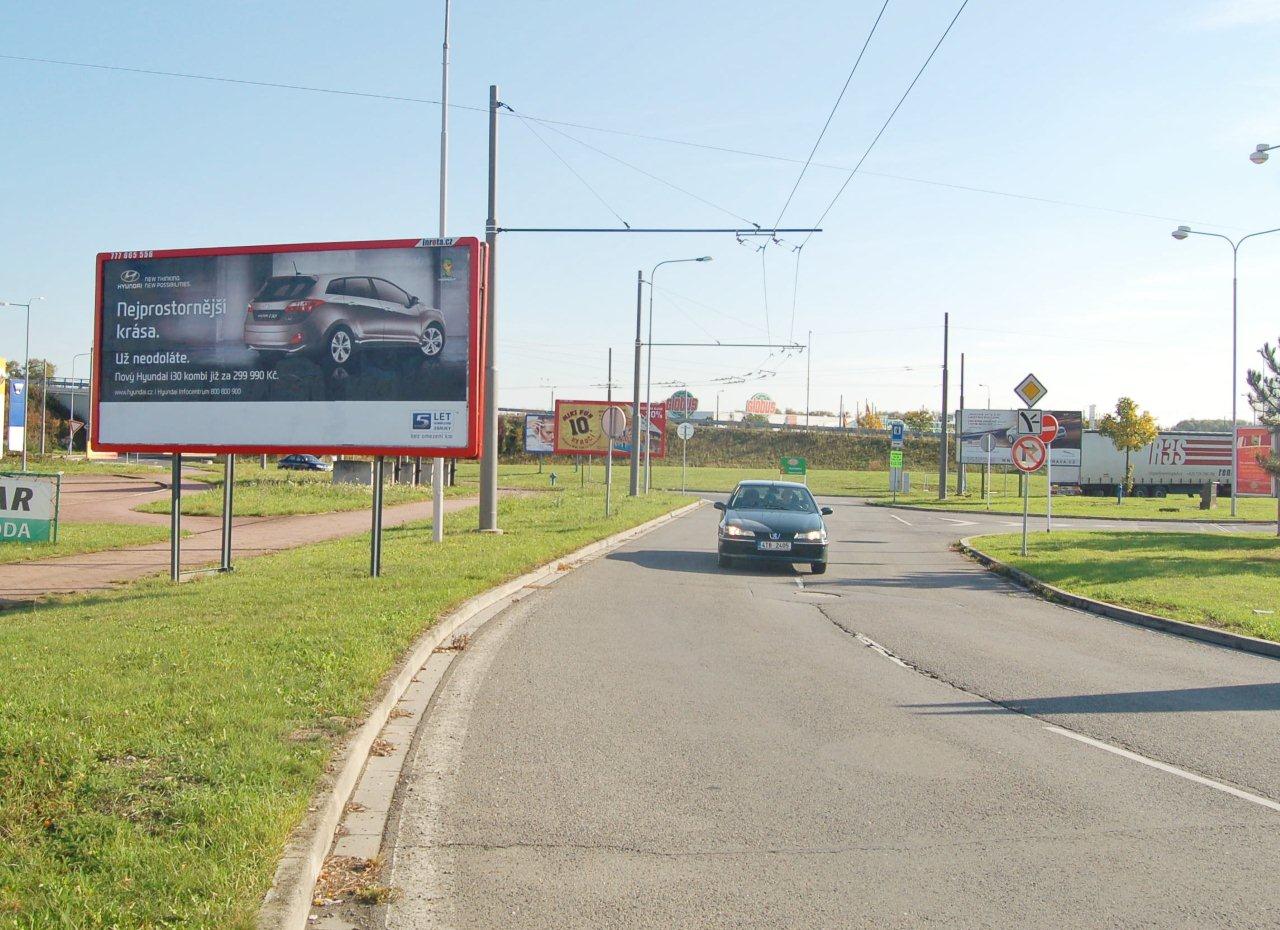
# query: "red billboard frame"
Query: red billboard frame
{"points": [[475, 356]]}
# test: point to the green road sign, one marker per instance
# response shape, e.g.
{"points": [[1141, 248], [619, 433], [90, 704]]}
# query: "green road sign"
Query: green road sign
{"points": [[28, 507], [895, 458], [793, 465]]}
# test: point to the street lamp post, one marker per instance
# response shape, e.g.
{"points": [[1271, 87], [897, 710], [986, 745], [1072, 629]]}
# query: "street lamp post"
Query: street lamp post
{"points": [[1181, 233], [988, 387], [648, 378], [26, 370]]}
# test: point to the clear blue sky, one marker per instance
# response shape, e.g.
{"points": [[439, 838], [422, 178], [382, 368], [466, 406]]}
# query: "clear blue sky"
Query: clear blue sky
{"points": [[1142, 106]]}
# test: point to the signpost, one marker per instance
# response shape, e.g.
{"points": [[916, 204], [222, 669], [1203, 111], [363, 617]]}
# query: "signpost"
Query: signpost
{"points": [[1048, 433], [794, 465], [614, 423], [685, 432], [1029, 455], [897, 431]]}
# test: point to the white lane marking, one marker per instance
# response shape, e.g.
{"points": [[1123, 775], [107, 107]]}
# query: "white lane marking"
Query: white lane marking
{"points": [[799, 583], [1171, 769], [1012, 523], [899, 519], [872, 644], [958, 522]]}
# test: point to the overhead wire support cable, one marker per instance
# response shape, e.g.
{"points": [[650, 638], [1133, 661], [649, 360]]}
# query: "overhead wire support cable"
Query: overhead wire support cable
{"points": [[903, 99], [646, 229], [830, 116], [528, 125]]}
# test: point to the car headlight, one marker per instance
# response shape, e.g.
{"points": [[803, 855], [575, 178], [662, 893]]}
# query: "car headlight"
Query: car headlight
{"points": [[813, 536], [732, 529]]}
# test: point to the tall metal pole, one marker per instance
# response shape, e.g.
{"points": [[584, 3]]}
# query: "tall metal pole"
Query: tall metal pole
{"points": [[1235, 451], [608, 456], [635, 392], [942, 444], [962, 484], [437, 466], [489, 441], [648, 387], [808, 367], [26, 388], [44, 400]]}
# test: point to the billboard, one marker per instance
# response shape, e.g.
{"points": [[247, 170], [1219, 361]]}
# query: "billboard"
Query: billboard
{"points": [[761, 403], [681, 405], [1001, 426], [28, 508], [579, 430], [1253, 442], [346, 347], [17, 414], [540, 433]]}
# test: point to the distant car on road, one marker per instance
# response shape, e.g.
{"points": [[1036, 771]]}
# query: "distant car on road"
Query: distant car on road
{"points": [[334, 314], [773, 521], [300, 461]]}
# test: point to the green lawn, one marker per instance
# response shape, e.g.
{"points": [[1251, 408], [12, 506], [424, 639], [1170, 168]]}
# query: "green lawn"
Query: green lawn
{"points": [[81, 466], [159, 742], [1225, 580], [78, 538], [274, 492]]}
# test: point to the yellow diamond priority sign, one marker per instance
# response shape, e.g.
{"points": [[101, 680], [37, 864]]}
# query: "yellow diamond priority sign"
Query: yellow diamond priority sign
{"points": [[1031, 390]]}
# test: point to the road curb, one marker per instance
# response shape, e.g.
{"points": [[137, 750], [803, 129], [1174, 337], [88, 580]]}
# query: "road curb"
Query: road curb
{"points": [[287, 905], [1064, 516], [1123, 614]]}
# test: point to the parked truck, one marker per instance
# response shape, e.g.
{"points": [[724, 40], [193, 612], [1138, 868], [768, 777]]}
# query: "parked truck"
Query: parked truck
{"points": [[1174, 463]]}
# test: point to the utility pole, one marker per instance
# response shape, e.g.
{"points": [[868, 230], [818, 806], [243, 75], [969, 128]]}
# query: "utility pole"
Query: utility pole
{"points": [[962, 484], [943, 435], [635, 393], [808, 368], [489, 441], [437, 466]]}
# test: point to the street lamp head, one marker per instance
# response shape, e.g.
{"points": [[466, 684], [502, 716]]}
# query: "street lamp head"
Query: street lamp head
{"points": [[1182, 232], [705, 258], [1259, 155]]}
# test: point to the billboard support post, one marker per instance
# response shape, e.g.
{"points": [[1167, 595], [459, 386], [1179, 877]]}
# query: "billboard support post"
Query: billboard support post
{"points": [[228, 492], [489, 439], [375, 538], [175, 517]]}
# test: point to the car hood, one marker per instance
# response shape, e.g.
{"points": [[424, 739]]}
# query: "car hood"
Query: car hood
{"points": [[774, 521]]}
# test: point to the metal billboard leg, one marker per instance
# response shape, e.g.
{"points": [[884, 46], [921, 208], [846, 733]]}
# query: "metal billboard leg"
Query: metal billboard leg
{"points": [[375, 542], [175, 517], [228, 493]]}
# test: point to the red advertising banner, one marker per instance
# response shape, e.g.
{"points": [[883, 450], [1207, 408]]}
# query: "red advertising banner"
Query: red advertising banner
{"points": [[1251, 443], [579, 429]]}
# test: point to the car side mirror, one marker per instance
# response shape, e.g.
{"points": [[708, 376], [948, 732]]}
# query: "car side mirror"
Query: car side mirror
{"points": [[413, 301], [719, 505], [827, 511]]}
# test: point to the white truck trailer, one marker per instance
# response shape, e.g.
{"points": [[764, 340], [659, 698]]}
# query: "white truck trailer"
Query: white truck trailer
{"points": [[1174, 463]]}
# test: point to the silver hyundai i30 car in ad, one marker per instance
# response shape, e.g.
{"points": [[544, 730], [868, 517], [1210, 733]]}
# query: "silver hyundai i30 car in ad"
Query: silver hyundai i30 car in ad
{"points": [[337, 316]]}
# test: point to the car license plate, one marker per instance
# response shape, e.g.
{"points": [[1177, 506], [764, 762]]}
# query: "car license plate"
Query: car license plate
{"points": [[768, 545]]}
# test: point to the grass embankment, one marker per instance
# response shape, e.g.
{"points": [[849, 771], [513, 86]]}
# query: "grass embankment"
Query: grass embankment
{"points": [[158, 743], [273, 492], [1222, 580], [82, 466], [79, 538]]}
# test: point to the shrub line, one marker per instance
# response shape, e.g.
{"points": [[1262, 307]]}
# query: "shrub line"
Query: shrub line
{"points": [[1057, 595]]}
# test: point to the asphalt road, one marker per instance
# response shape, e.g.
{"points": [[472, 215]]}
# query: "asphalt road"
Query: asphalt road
{"points": [[905, 741]]}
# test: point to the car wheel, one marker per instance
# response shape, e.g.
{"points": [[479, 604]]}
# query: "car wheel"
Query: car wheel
{"points": [[432, 340], [340, 346], [819, 568], [725, 561]]}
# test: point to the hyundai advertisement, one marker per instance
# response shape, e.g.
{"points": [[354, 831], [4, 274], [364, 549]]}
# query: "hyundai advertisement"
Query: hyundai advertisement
{"points": [[330, 347]]}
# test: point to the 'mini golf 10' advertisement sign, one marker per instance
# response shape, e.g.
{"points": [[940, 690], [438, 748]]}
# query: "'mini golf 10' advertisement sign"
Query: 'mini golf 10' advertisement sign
{"points": [[343, 347]]}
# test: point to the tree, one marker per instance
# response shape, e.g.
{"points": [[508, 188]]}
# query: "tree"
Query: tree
{"points": [[869, 419], [1129, 429], [1264, 398], [1194, 425], [919, 421]]}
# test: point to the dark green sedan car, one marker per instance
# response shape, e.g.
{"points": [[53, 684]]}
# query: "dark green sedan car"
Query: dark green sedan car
{"points": [[773, 521]]}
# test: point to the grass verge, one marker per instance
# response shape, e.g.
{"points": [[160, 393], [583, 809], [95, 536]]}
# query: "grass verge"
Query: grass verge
{"points": [[79, 538], [1227, 580], [1179, 507], [158, 743]]}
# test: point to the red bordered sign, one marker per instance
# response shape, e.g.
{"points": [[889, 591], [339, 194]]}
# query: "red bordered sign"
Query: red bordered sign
{"points": [[368, 347], [1028, 453]]}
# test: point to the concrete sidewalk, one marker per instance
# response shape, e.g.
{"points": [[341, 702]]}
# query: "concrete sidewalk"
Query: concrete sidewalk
{"points": [[22, 582]]}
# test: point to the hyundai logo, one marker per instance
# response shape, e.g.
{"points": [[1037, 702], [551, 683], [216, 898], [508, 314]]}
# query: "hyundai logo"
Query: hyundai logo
{"points": [[130, 276]]}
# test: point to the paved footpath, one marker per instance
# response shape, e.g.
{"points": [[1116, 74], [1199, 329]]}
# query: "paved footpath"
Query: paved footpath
{"points": [[112, 498], [906, 741]]}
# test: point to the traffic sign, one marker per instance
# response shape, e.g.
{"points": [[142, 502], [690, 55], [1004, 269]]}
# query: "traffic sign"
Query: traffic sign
{"points": [[685, 431], [897, 429], [614, 422], [1028, 453], [1028, 422], [1048, 428], [895, 458], [1031, 390], [793, 465]]}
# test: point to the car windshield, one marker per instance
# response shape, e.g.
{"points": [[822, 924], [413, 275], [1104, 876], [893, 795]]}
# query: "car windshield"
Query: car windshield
{"points": [[286, 288], [773, 497]]}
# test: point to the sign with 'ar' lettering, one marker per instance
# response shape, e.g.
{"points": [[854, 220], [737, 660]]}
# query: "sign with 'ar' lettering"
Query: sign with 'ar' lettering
{"points": [[28, 508]]}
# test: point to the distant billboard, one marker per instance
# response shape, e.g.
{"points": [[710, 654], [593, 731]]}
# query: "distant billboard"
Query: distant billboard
{"points": [[539, 433], [340, 347], [761, 403], [1252, 443], [681, 405], [1001, 426], [579, 430]]}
